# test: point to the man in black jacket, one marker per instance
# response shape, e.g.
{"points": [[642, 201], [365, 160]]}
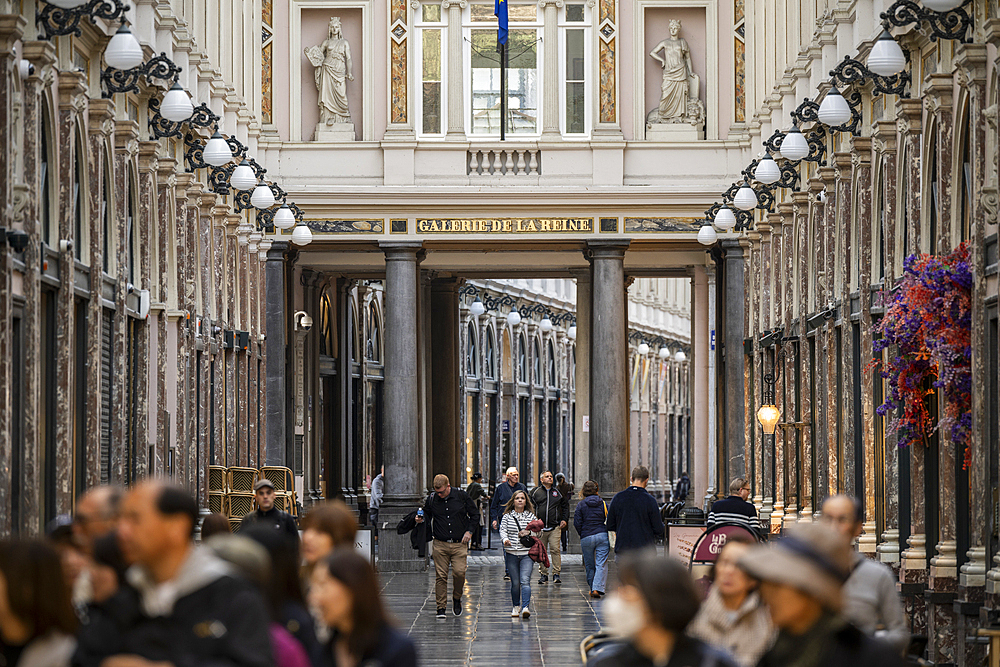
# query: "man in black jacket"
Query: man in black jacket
{"points": [[453, 518], [182, 605], [267, 514], [634, 515], [553, 509]]}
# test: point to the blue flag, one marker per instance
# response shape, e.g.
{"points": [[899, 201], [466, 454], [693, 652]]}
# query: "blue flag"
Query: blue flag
{"points": [[500, 11]]}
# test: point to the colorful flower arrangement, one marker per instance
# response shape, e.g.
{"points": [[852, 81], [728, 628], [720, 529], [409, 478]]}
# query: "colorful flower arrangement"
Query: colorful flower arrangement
{"points": [[929, 321]]}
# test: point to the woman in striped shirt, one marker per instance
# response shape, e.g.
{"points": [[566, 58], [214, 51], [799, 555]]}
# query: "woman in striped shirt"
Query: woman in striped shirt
{"points": [[517, 514]]}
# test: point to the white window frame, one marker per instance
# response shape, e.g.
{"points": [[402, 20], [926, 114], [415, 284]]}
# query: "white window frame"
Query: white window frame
{"points": [[419, 26], [467, 26], [587, 25]]}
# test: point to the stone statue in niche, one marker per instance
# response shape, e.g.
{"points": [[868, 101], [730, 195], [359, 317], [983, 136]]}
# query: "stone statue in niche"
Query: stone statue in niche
{"points": [[332, 60], [679, 105]]}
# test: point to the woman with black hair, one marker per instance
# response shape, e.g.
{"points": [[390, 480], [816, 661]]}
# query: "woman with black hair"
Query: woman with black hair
{"points": [[345, 592], [651, 609], [37, 622]]}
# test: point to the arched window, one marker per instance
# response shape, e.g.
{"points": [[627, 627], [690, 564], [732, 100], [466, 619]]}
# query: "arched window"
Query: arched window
{"points": [[965, 209], [491, 362], [522, 359], [552, 365], [327, 346], [373, 347], [46, 212], [107, 242], [471, 353], [130, 222], [536, 362], [79, 164]]}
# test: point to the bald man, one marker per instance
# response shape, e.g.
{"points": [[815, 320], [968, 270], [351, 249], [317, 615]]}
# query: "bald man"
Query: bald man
{"points": [[870, 599], [183, 605], [503, 493]]}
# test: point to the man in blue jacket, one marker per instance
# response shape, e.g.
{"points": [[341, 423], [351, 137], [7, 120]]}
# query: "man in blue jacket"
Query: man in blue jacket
{"points": [[634, 515]]}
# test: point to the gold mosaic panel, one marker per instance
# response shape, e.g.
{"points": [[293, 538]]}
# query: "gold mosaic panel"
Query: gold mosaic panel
{"points": [[266, 12], [398, 82], [266, 93], [608, 112], [741, 82], [607, 11]]}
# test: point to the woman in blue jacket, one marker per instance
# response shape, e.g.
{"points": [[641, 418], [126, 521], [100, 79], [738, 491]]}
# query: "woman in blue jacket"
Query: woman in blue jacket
{"points": [[589, 521]]}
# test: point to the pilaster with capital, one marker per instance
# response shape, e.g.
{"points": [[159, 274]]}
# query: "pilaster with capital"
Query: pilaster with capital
{"points": [[456, 79]]}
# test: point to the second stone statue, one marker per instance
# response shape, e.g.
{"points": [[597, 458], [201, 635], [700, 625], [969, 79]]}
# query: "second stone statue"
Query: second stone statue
{"points": [[332, 60]]}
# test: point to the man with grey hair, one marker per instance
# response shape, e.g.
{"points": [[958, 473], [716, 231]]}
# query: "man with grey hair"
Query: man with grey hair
{"points": [[870, 600], [735, 508]]}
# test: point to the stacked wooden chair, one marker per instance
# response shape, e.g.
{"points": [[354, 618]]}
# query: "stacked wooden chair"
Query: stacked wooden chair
{"points": [[230, 491]]}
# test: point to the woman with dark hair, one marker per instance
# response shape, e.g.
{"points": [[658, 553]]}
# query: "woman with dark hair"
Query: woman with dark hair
{"points": [[733, 617], [283, 589], [590, 519], [651, 609], [346, 594], [37, 622], [214, 524], [325, 528], [517, 514]]}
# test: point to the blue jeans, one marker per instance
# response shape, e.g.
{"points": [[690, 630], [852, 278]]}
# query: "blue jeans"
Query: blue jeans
{"points": [[595, 558], [519, 569]]}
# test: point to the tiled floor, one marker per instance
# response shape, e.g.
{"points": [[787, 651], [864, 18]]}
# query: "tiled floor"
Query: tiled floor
{"points": [[485, 634]]}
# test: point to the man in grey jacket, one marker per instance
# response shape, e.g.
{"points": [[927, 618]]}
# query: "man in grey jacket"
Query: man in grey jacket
{"points": [[870, 599]]}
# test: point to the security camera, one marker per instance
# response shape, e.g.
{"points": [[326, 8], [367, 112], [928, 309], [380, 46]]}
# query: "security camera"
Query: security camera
{"points": [[821, 196], [25, 69], [302, 321], [17, 239], [65, 245]]}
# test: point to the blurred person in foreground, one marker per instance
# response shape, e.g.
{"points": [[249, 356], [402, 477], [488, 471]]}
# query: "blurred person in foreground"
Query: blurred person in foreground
{"points": [[181, 605], [345, 592], [37, 622], [870, 599], [253, 563], [589, 520], [801, 580], [651, 610], [98, 626], [214, 524], [733, 617], [326, 527], [96, 515], [284, 592]]}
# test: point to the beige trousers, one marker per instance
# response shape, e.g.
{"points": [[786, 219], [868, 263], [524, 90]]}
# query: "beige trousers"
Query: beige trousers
{"points": [[456, 555], [553, 544]]}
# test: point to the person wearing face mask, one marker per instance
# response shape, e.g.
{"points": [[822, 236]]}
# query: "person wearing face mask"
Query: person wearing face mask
{"points": [[650, 610], [733, 617], [801, 579]]}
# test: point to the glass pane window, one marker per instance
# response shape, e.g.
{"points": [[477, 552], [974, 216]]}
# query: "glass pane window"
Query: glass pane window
{"points": [[431, 13], [522, 81], [574, 14], [576, 106], [483, 13], [431, 104]]}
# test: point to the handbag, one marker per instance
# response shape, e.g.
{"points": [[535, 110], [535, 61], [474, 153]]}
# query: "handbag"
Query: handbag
{"points": [[611, 533], [526, 540]]}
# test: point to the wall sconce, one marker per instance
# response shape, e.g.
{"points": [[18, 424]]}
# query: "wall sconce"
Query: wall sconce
{"points": [[947, 19], [127, 80], [62, 17]]}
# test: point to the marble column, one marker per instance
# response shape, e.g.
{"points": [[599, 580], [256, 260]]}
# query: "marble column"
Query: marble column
{"points": [[582, 380], [400, 453], [550, 91], [456, 98], [715, 485], [804, 246], [446, 391], [735, 313], [276, 321], [609, 416], [700, 372]]}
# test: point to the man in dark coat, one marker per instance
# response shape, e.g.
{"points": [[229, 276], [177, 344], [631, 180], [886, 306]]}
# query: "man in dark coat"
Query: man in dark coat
{"points": [[503, 493], [735, 508], [682, 488], [267, 514], [480, 498], [634, 515], [182, 605]]}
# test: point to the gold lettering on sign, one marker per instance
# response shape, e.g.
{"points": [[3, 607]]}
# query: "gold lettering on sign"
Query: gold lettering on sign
{"points": [[505, 226]]}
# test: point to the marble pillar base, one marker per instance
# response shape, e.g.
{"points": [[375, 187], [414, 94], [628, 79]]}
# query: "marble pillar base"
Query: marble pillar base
{"points": [[868, 542], [777, 518], [336, 133], [395, 554], [791, 517], [973, 573], [888, 550], [674, 133]]}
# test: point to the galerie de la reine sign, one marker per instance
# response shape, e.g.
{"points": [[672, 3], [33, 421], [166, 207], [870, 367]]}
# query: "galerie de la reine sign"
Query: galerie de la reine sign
{"points": [[505, 226]]}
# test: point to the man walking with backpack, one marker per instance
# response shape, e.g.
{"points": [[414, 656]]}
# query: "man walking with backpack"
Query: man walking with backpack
{"points": [[553, 509]]}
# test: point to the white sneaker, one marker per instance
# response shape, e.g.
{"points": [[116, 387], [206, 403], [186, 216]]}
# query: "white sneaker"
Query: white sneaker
{"points": [[515, 612], [525, 613]]}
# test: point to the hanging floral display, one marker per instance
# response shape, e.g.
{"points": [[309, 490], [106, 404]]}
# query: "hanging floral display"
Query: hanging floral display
{"points": [[929, 321]]}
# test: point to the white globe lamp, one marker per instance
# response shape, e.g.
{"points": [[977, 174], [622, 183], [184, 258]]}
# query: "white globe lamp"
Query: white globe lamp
{"points": [[707, 235], [176, 105], [886, 57], [243, 177], [513, 317], [262, 196], [217, 152], [834, 110], [302, 235], [284, 218], [643, 349], [680, 357], [123, 51], [725, 219], [746, 198], [794, 146], [767, 171], [477, 307]]}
